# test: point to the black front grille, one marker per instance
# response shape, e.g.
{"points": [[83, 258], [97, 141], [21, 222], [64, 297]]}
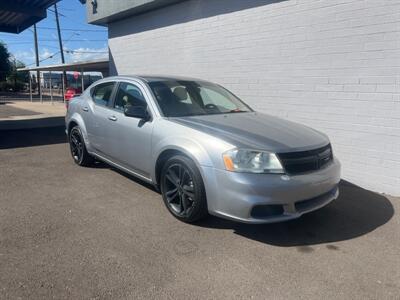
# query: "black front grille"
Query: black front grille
{"points": [[306, 161], [265, 211]]}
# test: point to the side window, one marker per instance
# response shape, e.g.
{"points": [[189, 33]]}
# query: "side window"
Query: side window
{"points": [[128, 95], [102, 93]]}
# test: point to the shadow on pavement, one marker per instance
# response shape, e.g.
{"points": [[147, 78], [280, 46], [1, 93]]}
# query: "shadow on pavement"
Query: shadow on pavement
{"points": [[356, 212], [25, 125], [131, 177], [32, 137]]}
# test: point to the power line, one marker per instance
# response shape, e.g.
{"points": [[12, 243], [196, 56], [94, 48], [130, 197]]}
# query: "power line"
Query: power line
{"points": [[66, 9], [50, 56], [46, 58], [18, 43], [49, 9], [66, 51], [49, 46], [53, 40], [73, 29], [62, 15], [58, 52], [80, 40], [79, 51], [70, 37]]}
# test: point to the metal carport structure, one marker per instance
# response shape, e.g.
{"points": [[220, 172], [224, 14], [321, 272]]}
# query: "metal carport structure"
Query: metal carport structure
{"points": [[98, 65]]}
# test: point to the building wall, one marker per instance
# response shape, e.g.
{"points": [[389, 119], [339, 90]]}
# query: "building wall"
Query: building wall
{"points": [[330, 64], [102, 12]]}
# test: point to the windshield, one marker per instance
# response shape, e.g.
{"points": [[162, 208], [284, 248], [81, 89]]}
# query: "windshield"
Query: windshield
{"points": [[191, 98]]}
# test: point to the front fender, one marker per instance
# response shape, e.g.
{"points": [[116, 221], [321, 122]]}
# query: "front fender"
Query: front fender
{"points": [[190, 148]]}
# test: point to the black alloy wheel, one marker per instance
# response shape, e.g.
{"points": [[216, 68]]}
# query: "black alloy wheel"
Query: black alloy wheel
{"points": [[78, 148], [183, 190]]}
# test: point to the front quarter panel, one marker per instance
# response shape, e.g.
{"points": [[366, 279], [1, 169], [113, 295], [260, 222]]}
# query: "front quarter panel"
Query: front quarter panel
{"points": [[204, 150]]}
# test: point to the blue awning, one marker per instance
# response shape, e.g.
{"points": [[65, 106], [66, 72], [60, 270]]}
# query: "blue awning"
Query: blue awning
{"points": [[18, 15]]}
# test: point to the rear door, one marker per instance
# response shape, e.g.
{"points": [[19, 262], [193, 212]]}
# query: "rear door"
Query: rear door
{"points": [[99, 112]]}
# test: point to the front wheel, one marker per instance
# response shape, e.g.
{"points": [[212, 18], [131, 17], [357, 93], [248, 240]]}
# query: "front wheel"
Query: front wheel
{"points": [[183, 190], [78, 148]]}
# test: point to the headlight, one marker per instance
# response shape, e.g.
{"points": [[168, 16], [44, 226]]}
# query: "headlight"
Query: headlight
{"points": [[252, 161]]}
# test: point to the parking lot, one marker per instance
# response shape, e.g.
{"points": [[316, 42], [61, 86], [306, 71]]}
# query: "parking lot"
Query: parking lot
{"points": [[83, 233]]}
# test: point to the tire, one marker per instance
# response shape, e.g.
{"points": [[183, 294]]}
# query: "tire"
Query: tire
{"points": [[182, 189], [78, 148]]}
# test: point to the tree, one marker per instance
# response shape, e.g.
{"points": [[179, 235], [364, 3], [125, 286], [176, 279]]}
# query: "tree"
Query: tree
{"points": [[34, 82], [16, 79], [5, 65]]}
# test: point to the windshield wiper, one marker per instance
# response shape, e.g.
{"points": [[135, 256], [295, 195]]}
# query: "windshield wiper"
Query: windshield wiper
{"points": [[237, 110]]}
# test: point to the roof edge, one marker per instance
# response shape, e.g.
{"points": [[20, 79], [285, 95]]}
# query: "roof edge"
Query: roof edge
{"points": [[97, 16]]}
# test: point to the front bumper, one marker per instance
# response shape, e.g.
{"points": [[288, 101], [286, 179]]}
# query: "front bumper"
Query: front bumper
{"points": [[268, 198]]}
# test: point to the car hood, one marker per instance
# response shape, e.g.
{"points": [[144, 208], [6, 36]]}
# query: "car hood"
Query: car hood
{"points": [[256, 131]]}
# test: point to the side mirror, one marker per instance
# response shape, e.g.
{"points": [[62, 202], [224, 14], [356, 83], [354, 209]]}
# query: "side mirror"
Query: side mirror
{"points": [[138, 112]]}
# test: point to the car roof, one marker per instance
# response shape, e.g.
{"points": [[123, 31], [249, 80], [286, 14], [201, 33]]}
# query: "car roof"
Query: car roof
{"points": [[156, 78]]}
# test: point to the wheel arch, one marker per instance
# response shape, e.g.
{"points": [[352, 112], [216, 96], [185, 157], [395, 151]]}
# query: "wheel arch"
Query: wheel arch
{"points": [[168, 152], [162, 159], [71, 125], [76, 120]]}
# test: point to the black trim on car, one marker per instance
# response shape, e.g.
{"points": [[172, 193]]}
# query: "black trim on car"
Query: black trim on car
{"points": [[302, 162]]}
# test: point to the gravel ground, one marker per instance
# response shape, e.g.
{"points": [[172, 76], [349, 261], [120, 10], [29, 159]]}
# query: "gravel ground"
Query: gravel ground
{"points": [[68, 232]]}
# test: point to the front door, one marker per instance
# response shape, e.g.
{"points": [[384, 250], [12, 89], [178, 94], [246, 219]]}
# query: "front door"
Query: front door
{"points": [[130, 138]]}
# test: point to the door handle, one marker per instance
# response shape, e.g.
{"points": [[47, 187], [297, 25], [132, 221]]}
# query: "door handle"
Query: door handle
{"points": [[113, 118], [85, 108]]}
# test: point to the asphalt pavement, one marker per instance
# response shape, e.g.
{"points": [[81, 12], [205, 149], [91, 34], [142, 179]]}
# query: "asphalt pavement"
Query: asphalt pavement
{"points": [[68, 232], [8, 110]]}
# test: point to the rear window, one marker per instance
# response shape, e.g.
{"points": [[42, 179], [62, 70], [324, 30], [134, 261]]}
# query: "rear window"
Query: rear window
{"points": [[101, 94]]}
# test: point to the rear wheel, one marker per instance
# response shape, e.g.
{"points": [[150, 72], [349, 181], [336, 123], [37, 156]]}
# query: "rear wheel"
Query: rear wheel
{"points": [[78, 148], [183, 190]]}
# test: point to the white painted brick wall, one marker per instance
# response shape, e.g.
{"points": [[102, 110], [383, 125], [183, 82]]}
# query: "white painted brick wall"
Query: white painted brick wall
{"points": [[330, 64]]}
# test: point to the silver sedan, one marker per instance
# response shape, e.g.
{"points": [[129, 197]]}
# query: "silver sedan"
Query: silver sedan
{"points": [[206, 150]]}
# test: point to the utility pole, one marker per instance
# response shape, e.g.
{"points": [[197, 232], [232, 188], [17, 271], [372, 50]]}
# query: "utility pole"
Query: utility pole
{"points": [[61, 46], [37, 58], [15, 75]]}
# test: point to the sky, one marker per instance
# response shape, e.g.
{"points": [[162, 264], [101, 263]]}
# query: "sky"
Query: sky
{"points": [[82, 40]]}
